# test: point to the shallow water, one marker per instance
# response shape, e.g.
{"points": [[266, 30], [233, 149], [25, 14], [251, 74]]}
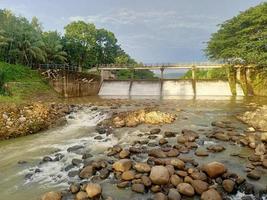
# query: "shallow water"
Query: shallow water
{"points": [[196, 114]]}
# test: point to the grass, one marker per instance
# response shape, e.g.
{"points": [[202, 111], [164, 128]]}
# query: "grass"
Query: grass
{"points": [[218, 74], [22, 84]]}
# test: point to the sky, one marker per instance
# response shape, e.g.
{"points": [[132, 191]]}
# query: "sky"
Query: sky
{"points": [[150, 31]]}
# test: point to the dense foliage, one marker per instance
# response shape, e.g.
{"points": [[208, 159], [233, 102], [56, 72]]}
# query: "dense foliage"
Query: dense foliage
{"points": [[242, 39], [220, 74], [83, 45]]}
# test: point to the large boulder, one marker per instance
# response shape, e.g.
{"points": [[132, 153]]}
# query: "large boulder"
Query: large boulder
{"points": [[159, 175], [186, 189], [142, 167], [214, 169], [122, 165], [52, 196], [93, 190], [211, 194]]}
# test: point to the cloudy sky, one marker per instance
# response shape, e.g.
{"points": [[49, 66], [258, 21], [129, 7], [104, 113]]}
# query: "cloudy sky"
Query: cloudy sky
{"points": [[149, 30]]}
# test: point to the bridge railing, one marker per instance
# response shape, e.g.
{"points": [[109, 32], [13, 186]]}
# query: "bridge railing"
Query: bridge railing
{"points": [[64, 67]]}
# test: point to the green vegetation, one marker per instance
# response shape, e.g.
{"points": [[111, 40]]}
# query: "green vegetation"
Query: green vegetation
{"points": [[220, 74], [22, 84], [137, 75], [242, 39]]}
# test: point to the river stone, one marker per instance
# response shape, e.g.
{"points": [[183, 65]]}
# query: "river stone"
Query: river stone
{"points": [[123, 184], [93, 190], [155, 131], [157, 153], [181, 139], [221, 136], [47, 159], [211, 194], [228, 185], [104, 173], [87, 172], [215, 148], [264, 137], [159, 175], [260, 149], [155, 188], [201, 152], [214, 169], [177, 163], [139, 188], [173, 194], [175, 180], [75, 149], [163, 141], [186, 189], [160, 196], [170, 134], [76, 162], [142, 167], [122, 165], [173, 153], [200, 186], [146, 181], [81, 196], [254, 174], [264, 163], [74, 188], [52, 196], [199, 176], [124, 154], [128, 175]]}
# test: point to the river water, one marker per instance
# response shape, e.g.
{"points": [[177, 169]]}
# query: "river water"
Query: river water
{"points": [[194, 114]]}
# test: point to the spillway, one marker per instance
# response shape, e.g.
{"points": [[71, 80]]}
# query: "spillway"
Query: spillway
{"points": [[145, 88], [118, 88]]}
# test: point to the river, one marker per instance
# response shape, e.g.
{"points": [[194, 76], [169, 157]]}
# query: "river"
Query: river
{"points": [[194, 114]]}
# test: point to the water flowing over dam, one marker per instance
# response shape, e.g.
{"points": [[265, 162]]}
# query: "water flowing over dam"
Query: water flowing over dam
{"points": [[168, 88]]}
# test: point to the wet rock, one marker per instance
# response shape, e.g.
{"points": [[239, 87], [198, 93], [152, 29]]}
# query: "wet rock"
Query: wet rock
{"points": [[181, 139], [75, 149], [254, 174], [228, 185], [101, 130], [155, 131], [221, 136], [104, 173], [99, 137], [76, 162], [173, 153], [201, 153], [135, 150], [173, 194], [87, 172], [124, 154], [200, 186], [152, 137], [73, 173], [215, 148], [142, 167], [74, 188], [186, 189], [128, 175], [254, 158], [181, 173], [264, 163], [22, 162], [69, 167], [160, 196], [175, 180], [87, 155], [81, 196], [264, 137], [211, 194], [122, 165], [159, 175], [214, 169], [139, 188], [47, 159], [170, 134], [93, 190], [155, 188], [177, 163], [52, 196], [219, 124], [28, 176], [260, 149], [146, 181], [123, 184], [58, 157], [199, 176], [157, 153], [163, 141]]}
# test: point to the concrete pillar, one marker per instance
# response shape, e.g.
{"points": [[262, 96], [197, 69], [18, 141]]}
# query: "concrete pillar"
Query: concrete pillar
{"points": [[232, 79], [101, 76], [243, 80], [161, 73]]}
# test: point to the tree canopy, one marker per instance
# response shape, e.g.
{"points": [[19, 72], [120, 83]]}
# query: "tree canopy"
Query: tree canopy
{"points": [[242, 39], [24, 42]]}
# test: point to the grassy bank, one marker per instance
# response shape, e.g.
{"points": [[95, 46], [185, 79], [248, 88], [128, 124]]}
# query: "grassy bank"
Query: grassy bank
{"points": [[259, 82], [220, 74], [20, 84]]}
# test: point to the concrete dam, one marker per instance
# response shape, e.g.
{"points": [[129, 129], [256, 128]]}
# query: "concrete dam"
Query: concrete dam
{"points": [[167, 88]]}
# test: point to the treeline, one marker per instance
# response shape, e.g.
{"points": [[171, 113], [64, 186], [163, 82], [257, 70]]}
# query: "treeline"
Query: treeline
{"points": [[83, 45], [242, 40]]}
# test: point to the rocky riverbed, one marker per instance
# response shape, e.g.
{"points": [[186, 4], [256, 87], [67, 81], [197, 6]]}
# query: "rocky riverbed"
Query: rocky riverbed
{"points": [[194, 151]]}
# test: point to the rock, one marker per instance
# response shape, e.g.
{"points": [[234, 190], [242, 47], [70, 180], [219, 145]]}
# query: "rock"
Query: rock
{"points": [[52, 196], [87, 172], [157, 153], [214, 169], [228, 185], [173, 194], [119, 122], [199, 175], [93, 190], [75, 148], [123, 184], [215, 148], [155, 131], [47, 159], [100, 130], [81, 196], [122, 165], [264, 137], [74, 188], [177, 163], [186, 189], [160, 196], [211, 194], [104, 173], [221, 136], [200, 186], [260, 149], [87, 155], [163, 141], [76, 162], [142, 167], [155, 188], [201, 152], [254, 174], [146, 181], [128, 175], [175, 180], [124, 154], [139, 188], [264, 163], [170, 134], [181, 139], [173, 153], [159, 175]]}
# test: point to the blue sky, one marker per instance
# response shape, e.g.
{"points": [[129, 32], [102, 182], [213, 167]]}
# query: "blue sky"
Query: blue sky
{"points": [[150, 31]]}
